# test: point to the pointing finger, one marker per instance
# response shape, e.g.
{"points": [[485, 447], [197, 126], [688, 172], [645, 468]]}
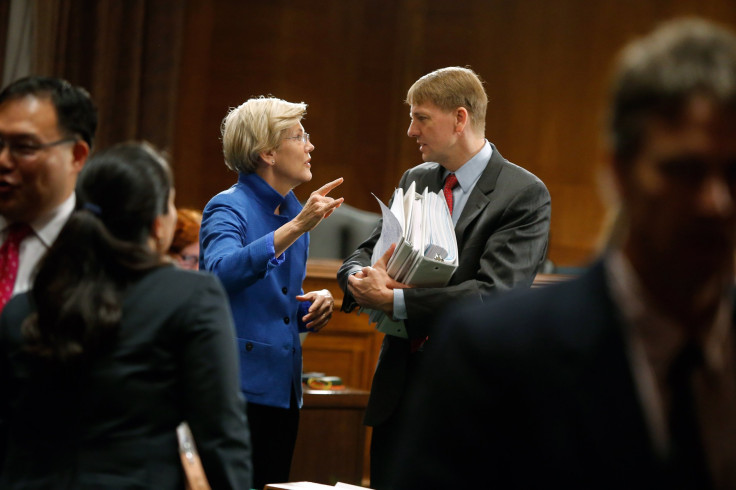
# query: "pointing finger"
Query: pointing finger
{"points": [[325, 189]]}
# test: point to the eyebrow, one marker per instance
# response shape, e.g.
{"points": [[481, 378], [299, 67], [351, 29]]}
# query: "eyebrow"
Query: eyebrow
{"points": [[6, 136]]}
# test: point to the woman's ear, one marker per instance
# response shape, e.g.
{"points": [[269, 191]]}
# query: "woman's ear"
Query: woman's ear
{"points": [[269, 157]]}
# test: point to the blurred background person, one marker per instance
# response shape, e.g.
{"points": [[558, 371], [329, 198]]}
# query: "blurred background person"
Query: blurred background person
{"points": [[114, 347], [254, 238], [184, 248]]}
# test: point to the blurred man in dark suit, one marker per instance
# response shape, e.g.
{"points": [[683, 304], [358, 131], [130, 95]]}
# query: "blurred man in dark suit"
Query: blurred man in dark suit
{"points": [[626, 376]]}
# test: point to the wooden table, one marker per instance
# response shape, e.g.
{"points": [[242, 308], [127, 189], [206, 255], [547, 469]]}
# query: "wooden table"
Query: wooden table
{"points": [[330, 445]]}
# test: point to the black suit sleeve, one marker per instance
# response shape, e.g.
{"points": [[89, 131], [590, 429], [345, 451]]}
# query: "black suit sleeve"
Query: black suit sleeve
{"points": [[214, 405]]}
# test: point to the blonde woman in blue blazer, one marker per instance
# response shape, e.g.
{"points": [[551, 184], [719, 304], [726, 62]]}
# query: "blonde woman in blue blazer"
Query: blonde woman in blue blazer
{"points": [[254, 237]]}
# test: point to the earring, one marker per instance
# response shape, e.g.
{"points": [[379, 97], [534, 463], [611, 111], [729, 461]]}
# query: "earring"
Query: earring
{"points": [[273, 162]]}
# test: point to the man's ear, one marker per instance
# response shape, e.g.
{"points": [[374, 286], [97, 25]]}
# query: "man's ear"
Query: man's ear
{"points": [[80, 152], [462, 119]]}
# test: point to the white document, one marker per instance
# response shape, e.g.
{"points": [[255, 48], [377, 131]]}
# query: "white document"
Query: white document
{"points": [[426, 248]]}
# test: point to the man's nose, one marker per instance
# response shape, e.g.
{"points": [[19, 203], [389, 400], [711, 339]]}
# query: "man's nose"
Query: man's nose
{"points": [[5, 158], [412, 131]]}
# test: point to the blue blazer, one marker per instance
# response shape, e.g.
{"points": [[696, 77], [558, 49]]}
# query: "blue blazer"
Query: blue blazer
{"points": [[236, 244]]}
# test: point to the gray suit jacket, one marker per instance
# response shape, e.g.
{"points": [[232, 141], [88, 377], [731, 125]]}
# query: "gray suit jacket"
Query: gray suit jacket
{"points": [[502, 239]]}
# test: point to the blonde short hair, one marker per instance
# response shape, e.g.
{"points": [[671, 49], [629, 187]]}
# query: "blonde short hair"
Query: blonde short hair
{"points": [[450, 88], [255, 126]]}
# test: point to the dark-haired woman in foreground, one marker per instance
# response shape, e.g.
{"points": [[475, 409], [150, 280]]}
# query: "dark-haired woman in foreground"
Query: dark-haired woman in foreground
{"points": [[113, 348]]}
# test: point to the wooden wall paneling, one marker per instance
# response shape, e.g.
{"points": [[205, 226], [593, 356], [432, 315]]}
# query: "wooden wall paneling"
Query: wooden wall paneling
{"points": [[546, 66], [160, 67], [126, 55], [338, 353], [331, 444], [195, 169]]}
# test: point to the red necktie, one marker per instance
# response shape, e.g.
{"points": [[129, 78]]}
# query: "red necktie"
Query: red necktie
{"points": [[9, 260], [450, 184]]}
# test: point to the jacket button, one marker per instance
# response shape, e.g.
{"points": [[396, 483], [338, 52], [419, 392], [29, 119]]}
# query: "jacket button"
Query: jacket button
{"points": [[284, 290], [249, 346], [293, 350], [286, 320]]}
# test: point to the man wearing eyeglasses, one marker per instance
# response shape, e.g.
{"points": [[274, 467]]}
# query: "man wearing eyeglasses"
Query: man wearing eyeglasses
{"points": [[47, 128]]}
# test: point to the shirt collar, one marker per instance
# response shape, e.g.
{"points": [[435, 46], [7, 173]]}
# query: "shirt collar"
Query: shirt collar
{"points": [[269, 197], [470, 171], [662, 337], [48, 226]]}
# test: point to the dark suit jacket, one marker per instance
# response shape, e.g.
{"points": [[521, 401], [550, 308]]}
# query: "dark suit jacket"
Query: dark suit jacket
{"points": [[502, 240], [112, 424], [530, 391]]}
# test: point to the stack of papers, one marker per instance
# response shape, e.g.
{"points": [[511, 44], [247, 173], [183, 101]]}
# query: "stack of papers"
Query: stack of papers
{"points": [[426, 249]]}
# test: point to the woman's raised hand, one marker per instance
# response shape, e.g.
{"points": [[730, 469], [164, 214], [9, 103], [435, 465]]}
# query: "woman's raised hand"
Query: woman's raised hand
{"points": [[319, 206]]}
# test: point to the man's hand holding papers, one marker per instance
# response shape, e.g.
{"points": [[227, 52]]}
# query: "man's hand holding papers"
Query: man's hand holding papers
{"points": [[373, 288], [417, 248]]}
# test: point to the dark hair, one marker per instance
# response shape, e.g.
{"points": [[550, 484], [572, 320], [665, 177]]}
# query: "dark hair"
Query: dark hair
{"points": [[100, 251], [75, 111], [658, 74]]}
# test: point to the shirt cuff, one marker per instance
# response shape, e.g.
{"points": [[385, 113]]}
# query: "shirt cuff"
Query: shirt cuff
{"points": [[399, 305], [302, 310], [271, 249]]}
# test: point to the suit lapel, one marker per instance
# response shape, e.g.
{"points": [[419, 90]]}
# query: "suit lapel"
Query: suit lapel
{"points": [[611, 416], [480, 196]]}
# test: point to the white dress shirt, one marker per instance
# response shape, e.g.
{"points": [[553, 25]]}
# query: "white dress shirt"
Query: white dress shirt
{"points": [[45, 230], [467, 176]]}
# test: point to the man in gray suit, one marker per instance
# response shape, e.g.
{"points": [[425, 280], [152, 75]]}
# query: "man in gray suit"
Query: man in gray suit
{"points": [[501, 214]]}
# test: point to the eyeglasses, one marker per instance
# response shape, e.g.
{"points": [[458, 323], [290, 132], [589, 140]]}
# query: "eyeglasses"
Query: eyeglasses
{"points": [[26, 151], [304, 137]]}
